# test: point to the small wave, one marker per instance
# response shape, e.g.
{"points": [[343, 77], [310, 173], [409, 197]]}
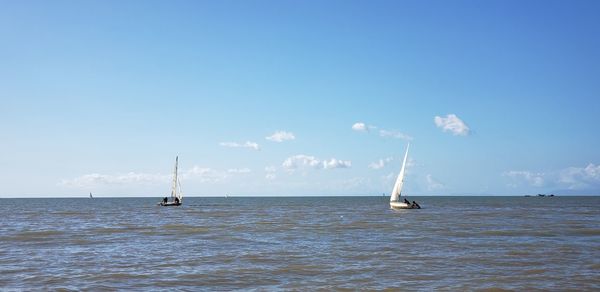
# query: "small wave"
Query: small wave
{"points": [[594, 267], [258, 259], [118, 276], [455, 234], [534, 271], [300, 269], [181, 228], [238, 227], [40, 233], [363, 225], [586, 232], [68, 213], [536, 233], [33, 236], [196, 230], [424, 277], [518, 253], [81, 241], [108, 230], [174, 226], [140, 228], [265, 222]]}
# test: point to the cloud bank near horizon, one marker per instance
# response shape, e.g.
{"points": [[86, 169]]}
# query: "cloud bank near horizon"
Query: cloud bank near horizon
{"points": [[571, 178], [196, 173]]}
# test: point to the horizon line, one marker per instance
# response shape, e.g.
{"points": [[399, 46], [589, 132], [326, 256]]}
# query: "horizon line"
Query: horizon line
{"points": [[292, 196]]}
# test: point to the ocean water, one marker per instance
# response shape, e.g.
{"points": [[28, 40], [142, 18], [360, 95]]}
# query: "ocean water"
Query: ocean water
{"points": [[301, 243]]}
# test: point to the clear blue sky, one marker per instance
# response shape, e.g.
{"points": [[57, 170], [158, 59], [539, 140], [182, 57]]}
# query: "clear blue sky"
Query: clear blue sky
{"points": [[100, 96]]}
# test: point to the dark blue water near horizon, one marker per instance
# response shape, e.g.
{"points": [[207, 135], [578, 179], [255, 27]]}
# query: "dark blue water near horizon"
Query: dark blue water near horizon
{"points": [[301, 243]]}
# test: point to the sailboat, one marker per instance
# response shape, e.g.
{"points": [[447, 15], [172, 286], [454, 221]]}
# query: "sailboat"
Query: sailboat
{"points": [[176, 195], [395, 202], [91, 197]]}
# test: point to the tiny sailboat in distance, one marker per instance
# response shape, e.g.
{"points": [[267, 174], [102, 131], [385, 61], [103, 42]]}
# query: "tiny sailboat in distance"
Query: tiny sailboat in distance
{"points": [[176, 194], [91, 197], [395, 202]]}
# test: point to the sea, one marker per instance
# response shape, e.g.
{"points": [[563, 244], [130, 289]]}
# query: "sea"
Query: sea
{"points": [[460, 243]]}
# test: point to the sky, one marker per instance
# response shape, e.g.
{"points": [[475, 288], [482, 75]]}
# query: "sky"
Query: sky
{"points": [[292, 98]]}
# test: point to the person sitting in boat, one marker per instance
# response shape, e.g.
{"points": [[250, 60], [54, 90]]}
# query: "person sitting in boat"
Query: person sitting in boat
{"points": [[176, 200], [165, 200], [415, 205], [406, 201]]}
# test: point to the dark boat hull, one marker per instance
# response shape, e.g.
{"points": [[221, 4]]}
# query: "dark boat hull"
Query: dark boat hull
{"points": [[170, 204]]}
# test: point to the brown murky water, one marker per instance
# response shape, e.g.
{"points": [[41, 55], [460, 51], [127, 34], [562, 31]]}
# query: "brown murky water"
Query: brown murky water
{"points": [[309, 243]]}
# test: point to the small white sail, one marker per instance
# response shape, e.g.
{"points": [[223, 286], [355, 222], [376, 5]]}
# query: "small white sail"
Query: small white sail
{"points": [[400, 180]]}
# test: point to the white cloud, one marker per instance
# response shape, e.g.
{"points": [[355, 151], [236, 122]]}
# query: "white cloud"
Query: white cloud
{"points": [[196, 173], [433, 184], [389, 179], [293, 162], [452, 124], [211, 175], [581, 177], [96, 179], [381, 163], [351, 185], [296, 161], [335, 163], [394, 134], [248, 144], [410, 163], [390, 176], [270, 172], [572, 178], [238, 170], [281, 136], [531, 178], [205, 174], [360, 127]]}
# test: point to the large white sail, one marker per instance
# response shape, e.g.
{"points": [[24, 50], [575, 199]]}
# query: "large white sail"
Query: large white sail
{"points": [[400, 180], [174, 193]]}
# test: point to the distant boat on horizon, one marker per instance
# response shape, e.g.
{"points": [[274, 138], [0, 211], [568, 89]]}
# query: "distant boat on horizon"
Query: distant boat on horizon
{"points": [[176, 194], [541, 195], [91, 197]]}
